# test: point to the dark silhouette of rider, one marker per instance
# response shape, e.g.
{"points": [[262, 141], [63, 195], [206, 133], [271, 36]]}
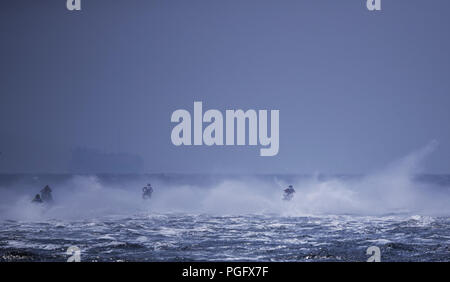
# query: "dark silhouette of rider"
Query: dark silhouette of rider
{"points": [[288, 193], [147, 191], [46, 194], [37, 199], [289, 190]]}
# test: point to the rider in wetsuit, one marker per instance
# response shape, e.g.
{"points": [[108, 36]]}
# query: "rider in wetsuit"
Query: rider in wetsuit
{"points": [[46, 194], [147, 192], [288, 193]]}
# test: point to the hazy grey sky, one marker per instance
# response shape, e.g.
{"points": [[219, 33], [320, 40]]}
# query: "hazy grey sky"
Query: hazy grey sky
{"points": [[355, 89]]}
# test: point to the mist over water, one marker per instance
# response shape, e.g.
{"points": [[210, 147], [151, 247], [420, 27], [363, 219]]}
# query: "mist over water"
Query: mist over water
{"points": [[230, 218], [394, 189]]}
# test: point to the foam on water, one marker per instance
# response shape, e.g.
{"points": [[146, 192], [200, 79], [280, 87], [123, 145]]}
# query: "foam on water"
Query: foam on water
{"points": [[393, 189]]}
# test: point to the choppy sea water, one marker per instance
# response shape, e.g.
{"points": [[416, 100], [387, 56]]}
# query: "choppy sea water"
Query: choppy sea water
{"points": [[178, 237], [227, 219]]}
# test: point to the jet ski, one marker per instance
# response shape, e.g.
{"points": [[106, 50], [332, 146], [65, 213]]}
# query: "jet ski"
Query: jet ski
{"points": [[45, 197], [288, 193], [147, 192], [37, 199]]}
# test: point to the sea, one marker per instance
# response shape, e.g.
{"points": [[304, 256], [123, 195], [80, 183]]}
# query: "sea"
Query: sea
{"points": [[205, 217]]}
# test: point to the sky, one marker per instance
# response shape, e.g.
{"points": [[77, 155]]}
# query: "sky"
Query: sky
{"points": [[355, 89]]}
